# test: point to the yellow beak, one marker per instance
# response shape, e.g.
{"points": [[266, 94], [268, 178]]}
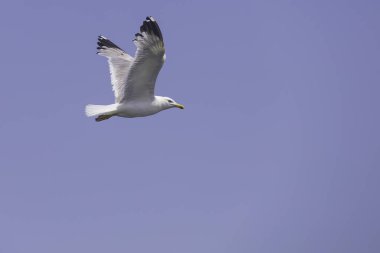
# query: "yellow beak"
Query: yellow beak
{"points": [[179, 106]]}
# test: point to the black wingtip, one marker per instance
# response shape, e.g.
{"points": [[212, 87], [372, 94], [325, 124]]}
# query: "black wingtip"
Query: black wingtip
{"points": [[150, 26], [103, 43]]}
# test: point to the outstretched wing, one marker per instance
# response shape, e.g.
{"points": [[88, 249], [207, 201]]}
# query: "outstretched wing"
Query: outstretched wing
{"points": [[148, 61], [119, 64]]}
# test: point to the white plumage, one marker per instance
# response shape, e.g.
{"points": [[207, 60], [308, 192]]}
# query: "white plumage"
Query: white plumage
{"points": [[133, 79]]}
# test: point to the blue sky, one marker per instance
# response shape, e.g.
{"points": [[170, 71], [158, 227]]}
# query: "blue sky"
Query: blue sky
{"points": [[278, 149]]}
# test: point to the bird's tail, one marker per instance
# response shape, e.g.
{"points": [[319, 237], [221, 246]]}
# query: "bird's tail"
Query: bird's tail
{"points": [[102, 111]]}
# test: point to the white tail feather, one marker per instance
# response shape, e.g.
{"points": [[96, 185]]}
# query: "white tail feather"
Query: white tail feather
{"points": [[95, 110]]}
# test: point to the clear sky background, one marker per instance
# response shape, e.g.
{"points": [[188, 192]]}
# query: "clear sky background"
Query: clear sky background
{"points": [[277, 150]]}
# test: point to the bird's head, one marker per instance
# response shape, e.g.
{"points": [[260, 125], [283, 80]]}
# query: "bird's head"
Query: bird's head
{"points": [[170, 103]]}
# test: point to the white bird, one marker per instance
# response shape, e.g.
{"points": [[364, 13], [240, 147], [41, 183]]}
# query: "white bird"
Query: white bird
{"points": [[133, 79]]}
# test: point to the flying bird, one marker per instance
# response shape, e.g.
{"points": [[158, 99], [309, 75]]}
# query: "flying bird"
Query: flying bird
{"points": [[133, 78]]}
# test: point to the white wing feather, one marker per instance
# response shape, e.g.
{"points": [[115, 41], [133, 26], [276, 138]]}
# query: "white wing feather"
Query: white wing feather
{"points": [[119, 64], [149, 59], [135, 78]]}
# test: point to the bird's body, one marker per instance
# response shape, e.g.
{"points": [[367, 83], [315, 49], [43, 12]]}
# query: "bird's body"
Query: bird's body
{"points": [[141, 108], [133, 78]]}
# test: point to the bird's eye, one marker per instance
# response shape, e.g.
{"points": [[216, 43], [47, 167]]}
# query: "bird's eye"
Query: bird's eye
{"points": [[170, 101]]}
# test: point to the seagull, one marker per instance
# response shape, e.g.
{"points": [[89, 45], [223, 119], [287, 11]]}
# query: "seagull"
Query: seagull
{"points": [[133, 79]]}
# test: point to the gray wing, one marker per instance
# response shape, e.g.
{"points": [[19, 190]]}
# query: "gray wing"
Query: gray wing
{"points": [[119, 64], [148, 61]]}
